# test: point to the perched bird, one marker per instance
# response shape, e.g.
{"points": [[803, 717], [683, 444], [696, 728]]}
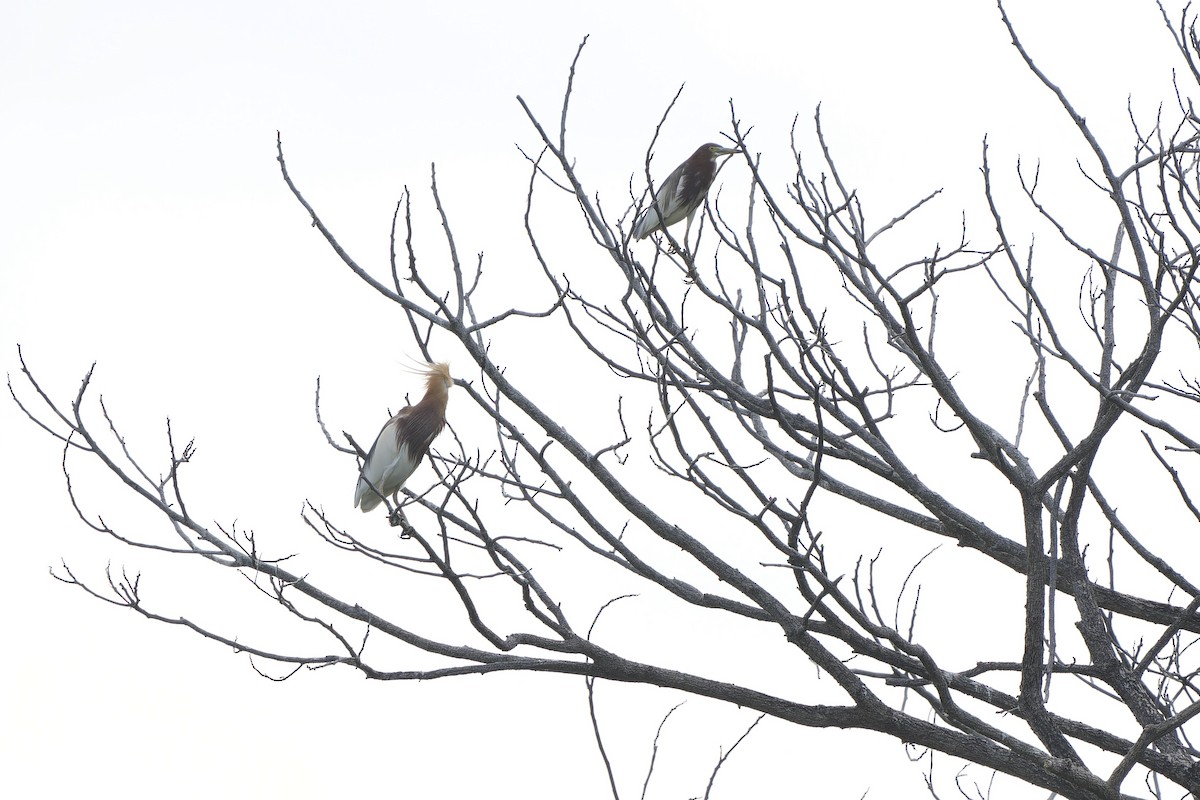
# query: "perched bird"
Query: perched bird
{"points": [[683, 192], [403, 442]]}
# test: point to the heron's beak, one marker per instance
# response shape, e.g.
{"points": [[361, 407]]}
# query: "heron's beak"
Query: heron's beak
{"points": [[728, 151]]}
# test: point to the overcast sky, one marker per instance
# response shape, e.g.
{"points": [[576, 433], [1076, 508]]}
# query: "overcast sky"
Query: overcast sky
{"points": [[144, 226]]}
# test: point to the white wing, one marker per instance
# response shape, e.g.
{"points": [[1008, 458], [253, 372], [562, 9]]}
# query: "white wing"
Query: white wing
{"points": [[647, 223], [669, 199], [388, 466]]}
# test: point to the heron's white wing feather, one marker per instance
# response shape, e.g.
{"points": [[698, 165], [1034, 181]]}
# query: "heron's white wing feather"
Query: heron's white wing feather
{"points": [[667, 198], [388, 466], [650, 221]]}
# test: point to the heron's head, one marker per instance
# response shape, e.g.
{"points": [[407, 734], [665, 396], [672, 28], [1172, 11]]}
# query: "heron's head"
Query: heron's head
{"points": [[716, 151], [437, 375]]}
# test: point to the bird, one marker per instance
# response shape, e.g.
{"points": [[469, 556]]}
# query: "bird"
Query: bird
{"points": [[683, 192], [404, 440]]}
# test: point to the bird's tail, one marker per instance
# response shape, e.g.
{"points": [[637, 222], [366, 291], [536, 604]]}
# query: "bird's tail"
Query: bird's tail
{"points": [[365, 497], [647, 223]]}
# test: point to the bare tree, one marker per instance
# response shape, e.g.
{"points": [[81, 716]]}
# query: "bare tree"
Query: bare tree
{"points": [[769, 408]]}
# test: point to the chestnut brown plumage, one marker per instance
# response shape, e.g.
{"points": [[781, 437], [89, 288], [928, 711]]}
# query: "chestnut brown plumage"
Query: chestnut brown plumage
{"points": [[403, 442], [682, 193]]}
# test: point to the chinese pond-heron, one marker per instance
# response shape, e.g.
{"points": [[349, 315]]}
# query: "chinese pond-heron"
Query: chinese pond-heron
{"points": [[682, 193], [403, 442]]}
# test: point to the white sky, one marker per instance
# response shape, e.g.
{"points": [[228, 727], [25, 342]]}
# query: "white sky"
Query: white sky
{"points": [[145, 227]]}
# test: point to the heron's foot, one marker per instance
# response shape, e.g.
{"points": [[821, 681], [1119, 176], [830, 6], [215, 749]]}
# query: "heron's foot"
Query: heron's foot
{"points": [[397, 520]]}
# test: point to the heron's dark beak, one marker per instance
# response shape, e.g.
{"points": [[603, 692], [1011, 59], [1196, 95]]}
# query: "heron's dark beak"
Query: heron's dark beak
{"points": [[728, 151]]}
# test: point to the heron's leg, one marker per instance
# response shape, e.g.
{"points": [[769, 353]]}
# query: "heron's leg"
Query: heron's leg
{"points": [[687, 250]]}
